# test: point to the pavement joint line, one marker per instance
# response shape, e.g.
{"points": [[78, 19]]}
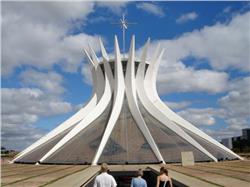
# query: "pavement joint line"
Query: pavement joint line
{"points": [[234, 163], [244, 167], [13, 168], [171, 167], [230, 169], [201, 179], [28, 171], [243, 163], [14, 182], [197, 177], [54, 180], [91, 178], [217, 173], [76, 179]]}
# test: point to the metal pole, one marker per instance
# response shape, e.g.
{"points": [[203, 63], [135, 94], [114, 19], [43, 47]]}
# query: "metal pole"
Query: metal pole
{"points": [[123, 34]]}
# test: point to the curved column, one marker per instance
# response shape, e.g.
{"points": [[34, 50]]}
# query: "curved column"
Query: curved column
{"points": [[73, 120], [132, 101], [117, 105], [95, 113], [154, 111], [150, 88], [106, 64], [99, 75]]}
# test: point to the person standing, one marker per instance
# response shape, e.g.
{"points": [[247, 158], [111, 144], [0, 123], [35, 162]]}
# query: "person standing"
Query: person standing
{"points": [[104, 179], [139, 181], [164, 180]]}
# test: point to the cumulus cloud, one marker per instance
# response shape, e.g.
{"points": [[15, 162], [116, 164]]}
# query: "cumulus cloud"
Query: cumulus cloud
{"points": [[51, 81], [21, 108], [19, 136], [179, 78], [214, 45], [115, 7], [222, 133], [36, 34], [234, 109], [224, 45], [151, 8], [40, 35], [227, 9], [237, 104], [191, 16], [31, 101], [199, 116], [52, 13], [86, 72], [177, 105]]}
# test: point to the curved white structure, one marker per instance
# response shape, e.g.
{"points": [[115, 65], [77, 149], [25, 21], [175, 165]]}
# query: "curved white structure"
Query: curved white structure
{"points": [[125, 121]]}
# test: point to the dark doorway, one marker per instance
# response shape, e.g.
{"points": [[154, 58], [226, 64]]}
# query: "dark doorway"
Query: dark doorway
{"points": [[123, 178]]}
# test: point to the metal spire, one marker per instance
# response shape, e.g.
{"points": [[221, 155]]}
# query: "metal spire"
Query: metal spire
{"points": [[124, 25]]}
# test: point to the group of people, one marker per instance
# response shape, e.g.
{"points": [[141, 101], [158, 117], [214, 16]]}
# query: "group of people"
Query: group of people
{"points": [[107, 180]]}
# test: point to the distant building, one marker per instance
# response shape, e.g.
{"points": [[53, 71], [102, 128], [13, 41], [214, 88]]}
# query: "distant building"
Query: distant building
{"points": [[227, 142], [246, 134], [236, 138]]}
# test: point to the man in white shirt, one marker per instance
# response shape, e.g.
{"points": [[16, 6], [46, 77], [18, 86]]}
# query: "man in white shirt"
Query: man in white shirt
{"points": [[104, 179]]}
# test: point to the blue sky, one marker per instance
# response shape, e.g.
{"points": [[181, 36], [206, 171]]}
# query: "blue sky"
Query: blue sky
{"points": [[204, 74]]}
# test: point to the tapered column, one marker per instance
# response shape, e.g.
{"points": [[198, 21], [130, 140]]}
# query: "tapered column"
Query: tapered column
{"points": [[151, 91], [132, 101], [106, 65], [149, 106], [117, 102], [94, 114], [69, 123]]}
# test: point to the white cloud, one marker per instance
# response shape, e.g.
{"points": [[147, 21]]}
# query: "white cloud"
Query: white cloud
{"points": [[86, 72], [237, 104], [51, 82], [19, 136], [227, 9], [19, 118], [219, 134], [191, 16], [21, 109], [116, 7], [234, 109], [199, 117], [224, 46], [213, 44], [177, 105], [31, 101], [47, 13], [151, 8], [35, 34], [179, 78]]}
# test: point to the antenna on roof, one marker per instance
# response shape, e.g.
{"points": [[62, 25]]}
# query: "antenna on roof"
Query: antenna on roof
{"points": [[124, 25]]}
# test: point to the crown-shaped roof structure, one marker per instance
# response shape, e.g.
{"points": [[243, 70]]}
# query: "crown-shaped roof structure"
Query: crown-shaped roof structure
{"points": [[125, 121]]}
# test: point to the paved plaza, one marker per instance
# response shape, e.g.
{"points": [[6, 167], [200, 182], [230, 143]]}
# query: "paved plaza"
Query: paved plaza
{"points": [[228, 173]]}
